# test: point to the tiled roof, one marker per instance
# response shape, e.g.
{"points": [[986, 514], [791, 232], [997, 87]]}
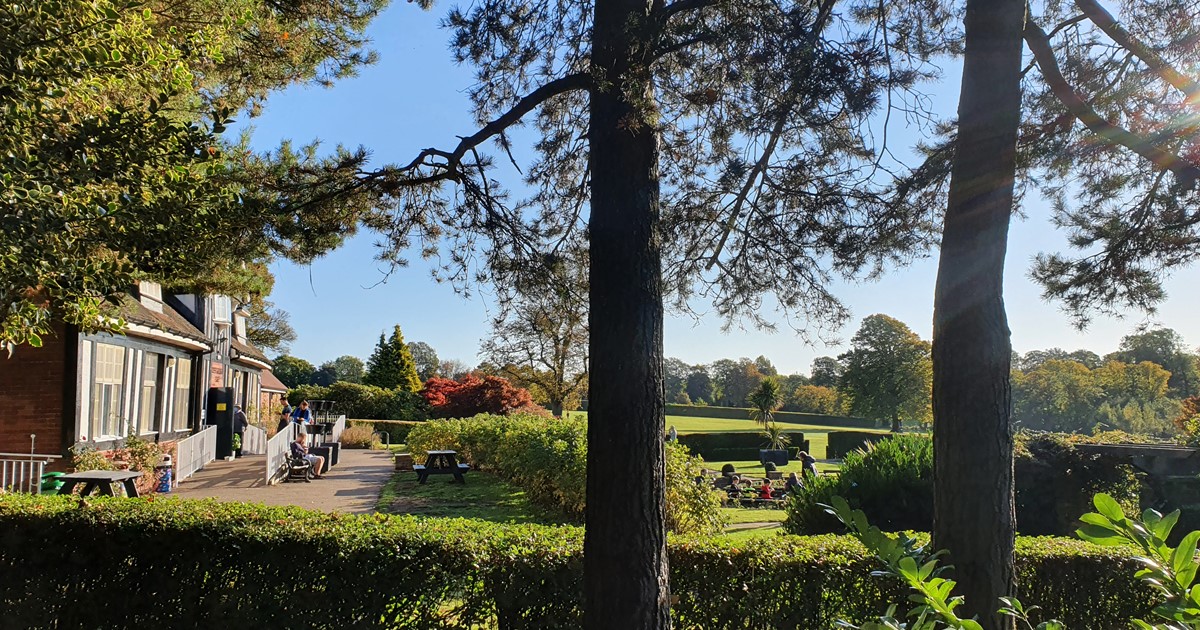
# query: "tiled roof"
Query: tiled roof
{"points": [[249, 351], [131, 310], [270, 382]]}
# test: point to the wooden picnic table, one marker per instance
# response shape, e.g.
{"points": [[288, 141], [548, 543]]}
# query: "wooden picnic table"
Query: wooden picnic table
{"points": [[441, 463], [101, 480]]}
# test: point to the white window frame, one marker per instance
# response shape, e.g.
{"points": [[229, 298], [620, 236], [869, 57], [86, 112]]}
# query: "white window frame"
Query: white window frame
{"points": [[108, 391]]}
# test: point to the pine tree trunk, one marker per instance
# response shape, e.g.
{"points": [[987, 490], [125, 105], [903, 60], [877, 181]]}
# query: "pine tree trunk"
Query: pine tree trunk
{"points": [[895, 422], [625, 553], [973, 469]]}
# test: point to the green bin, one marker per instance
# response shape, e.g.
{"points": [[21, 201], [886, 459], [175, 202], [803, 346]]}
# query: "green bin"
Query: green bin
{"points": [[51, 482]]}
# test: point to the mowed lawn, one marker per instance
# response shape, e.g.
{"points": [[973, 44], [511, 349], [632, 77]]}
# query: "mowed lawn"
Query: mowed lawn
{"points": [[817, 435]]}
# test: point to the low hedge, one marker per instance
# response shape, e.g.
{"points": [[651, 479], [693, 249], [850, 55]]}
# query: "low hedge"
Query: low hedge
{"points": [[547, 458], [842, 443], [397, 430], [742, 413], [108, 563], [717, 447]]}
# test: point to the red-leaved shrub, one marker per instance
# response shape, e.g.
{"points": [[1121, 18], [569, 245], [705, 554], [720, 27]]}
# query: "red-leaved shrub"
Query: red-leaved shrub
{"points": [[471, 395]]}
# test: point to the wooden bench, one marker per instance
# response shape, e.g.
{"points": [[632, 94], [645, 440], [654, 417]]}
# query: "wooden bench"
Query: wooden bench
{"points": [[458, 471]]}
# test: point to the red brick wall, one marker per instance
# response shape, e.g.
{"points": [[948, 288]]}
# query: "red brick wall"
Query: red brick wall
{"points": [[31, 395]]}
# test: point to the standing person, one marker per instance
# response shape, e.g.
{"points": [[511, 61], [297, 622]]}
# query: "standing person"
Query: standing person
{"points": [[286, 414], [240, 422], [809, 463], [671, 434]]}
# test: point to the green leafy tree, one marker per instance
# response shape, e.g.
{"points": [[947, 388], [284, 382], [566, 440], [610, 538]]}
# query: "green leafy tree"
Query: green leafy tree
{"points": [[699, 385], [293, 371], [115, 169], [887, 372], [425, 358], [1059, 395], [346, 368], [734, 380], [268, 327], [675, 375], [826, 372], [391, 365]]}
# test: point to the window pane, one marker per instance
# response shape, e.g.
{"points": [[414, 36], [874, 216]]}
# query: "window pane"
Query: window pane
{"points": [[107, 381], [151, 393], [183, 389]]}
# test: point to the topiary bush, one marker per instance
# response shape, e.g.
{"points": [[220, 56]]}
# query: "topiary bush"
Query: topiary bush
{"points": [[72, 563], [547, 458], [842, 443], [891, 481]]}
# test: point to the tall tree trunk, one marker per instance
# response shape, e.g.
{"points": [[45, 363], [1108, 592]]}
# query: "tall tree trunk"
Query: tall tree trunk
{"points": [[895, 422], [973, 469], [625, 551]]}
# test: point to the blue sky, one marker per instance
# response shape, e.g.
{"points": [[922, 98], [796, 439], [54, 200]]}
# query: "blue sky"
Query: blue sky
{"points": [[413, 98]]}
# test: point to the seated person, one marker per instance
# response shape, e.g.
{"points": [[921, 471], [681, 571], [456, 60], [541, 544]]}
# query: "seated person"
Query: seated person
{"points": [[764, 492], [300, 451], [793, 485], [735, 487], [301, 414]]}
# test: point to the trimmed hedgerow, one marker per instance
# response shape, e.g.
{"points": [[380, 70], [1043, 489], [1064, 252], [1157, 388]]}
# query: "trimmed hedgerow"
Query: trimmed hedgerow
{"points": [[99, 563], [717, 447], [547, 458], [743, 413], [842, 443]]}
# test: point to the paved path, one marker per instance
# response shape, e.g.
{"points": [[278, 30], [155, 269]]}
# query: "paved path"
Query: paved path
{"points": [[352, 486]]}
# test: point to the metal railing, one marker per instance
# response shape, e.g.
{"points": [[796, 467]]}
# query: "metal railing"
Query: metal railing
{"points": [[278, 450], [22, 472], [254, 441], [195, 452]]}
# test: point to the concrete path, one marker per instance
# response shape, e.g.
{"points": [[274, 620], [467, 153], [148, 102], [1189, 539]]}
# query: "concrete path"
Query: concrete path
{"points": [[351, 487]]}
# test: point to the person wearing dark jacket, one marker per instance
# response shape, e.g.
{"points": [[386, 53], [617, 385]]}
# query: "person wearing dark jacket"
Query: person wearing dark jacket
{"points": [[240, 422]]}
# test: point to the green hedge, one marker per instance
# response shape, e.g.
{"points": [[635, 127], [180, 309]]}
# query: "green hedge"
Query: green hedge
{"points": [[842, 443], [118, 563], [740, 413], [397, 430], [723, 447], [366, 402], [547, 458]]}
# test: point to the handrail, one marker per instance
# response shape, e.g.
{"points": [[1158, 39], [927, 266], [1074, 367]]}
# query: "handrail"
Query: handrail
{"points": [[278, 450], [254, 441], [338, 427], [30, 455], [194, 452]]}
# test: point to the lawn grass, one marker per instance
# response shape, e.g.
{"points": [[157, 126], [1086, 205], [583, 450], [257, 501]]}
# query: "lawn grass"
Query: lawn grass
{"points": [[742, 515], [484, 496]]}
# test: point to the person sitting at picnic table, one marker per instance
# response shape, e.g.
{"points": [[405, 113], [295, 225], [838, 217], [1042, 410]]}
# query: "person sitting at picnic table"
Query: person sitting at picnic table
{"points": [[301, 414], [734, 489], [300, 451], [793, 486], [764, 491], [809, 463]]}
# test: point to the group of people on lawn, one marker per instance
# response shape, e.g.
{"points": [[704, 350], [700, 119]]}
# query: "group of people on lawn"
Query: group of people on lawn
{"points": [[737, 491]]}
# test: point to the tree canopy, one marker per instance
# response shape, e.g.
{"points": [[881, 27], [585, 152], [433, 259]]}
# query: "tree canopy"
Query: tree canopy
{"points": [[887, 372], [391, 364]]}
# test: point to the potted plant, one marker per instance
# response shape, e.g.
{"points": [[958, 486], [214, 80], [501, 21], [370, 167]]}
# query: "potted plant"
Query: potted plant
{"points": [[776, 451]]}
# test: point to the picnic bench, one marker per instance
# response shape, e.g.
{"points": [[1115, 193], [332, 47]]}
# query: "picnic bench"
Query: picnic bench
{"points": [[441, 463], [101, 480]]}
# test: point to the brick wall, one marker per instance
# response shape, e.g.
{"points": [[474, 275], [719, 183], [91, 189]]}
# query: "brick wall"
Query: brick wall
{"points": [[31, 395]]}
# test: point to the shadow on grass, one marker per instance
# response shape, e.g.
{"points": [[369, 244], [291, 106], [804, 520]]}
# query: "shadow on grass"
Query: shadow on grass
{"points": [[484, 497]]}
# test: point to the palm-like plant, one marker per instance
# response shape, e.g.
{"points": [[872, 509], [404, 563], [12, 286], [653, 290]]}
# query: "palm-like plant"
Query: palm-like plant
{"points": [[765, 399], [776, 438]]}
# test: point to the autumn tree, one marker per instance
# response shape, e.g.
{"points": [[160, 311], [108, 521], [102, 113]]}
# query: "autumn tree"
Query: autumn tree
{"points": [[472, 394], [815, 399], [391, 364], [887, 372], [1165, 347]]}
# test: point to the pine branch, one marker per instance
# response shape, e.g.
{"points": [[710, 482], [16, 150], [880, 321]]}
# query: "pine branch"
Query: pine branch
{"points": [[1107, 23], [1082, 110]]}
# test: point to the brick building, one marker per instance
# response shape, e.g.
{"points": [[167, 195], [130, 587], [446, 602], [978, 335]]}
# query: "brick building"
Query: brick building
{"points": [[178, 354]]}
